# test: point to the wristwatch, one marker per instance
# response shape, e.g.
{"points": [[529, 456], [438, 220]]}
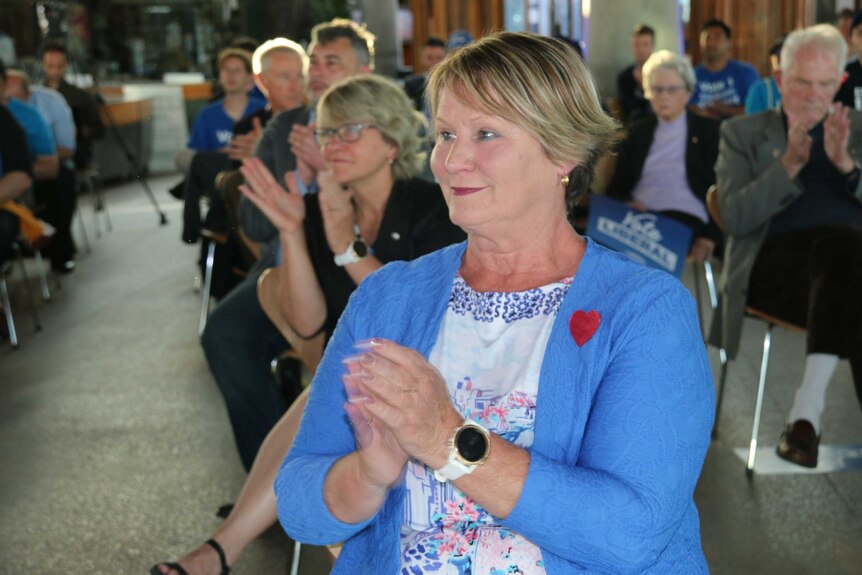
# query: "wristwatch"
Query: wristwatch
{"points": [[469, 447], [354, 252]]}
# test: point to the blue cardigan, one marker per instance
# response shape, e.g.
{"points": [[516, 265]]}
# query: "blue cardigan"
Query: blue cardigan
{"points": [[622, 424]]}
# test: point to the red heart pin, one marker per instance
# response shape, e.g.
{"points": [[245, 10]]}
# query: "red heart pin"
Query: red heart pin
{"points": [[583, 325]]}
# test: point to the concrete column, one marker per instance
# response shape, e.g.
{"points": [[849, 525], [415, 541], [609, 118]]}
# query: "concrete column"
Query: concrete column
{"points": [[609, 35], [381, 16]]}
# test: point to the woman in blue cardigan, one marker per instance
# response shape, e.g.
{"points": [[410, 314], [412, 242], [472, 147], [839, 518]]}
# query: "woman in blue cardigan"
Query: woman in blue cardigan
{"points": [[527, 401]]}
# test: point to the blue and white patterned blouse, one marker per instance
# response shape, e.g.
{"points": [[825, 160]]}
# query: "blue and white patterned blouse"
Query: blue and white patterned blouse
{"points": [[489, 350]]}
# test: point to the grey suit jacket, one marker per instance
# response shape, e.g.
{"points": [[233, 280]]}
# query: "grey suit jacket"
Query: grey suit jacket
{"points": [[752, 187]]}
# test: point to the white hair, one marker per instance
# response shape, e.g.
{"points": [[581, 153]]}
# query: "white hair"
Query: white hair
{"points": [[823, 36], [260, 58], [667, 60]]}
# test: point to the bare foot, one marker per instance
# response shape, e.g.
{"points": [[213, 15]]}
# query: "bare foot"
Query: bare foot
{"points": [[202, 560]]}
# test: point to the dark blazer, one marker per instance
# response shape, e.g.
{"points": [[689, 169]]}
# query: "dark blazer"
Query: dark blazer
{"points": [[701, 152]]}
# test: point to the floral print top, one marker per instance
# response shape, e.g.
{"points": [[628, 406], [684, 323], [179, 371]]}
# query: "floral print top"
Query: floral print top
{"points": [[490, 350]]}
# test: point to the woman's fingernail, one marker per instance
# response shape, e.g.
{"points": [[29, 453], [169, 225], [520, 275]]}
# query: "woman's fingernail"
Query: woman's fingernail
{"points": [[373, 343], [366, 359], [366, 375], [360, 399], [351, 359]]}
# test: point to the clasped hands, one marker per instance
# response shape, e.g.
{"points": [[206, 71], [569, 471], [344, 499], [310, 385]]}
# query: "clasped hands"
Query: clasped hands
{"points": [[399, 406], [836, 135]]}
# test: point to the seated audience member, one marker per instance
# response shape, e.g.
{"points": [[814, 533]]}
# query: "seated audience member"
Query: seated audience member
{"points": [[213, 126], [433, 52], [790, 195], [15, 177], [85, 106], [850, 93], [57, 196], [40, 141], [843, 23], [279, 68], [765, 93], [212, 129], [665, 165], [722, 83], [369, 192], [240, 341], [483, 409], [630, 93]]}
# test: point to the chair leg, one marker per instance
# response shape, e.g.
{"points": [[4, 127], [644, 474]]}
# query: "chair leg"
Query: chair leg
{"points": [[697, 298], [294, 562], [7, 307], [34, 312], [100, 204], [761, 387], [43, 275], [722, 378], [205, 290], [710, 284], [88, 249]]}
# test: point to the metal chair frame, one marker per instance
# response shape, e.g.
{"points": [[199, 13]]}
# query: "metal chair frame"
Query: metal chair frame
{"points": [[4, 294]]}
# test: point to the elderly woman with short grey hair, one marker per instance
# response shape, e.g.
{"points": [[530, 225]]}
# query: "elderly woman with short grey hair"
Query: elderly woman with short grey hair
{"points": [[665, 165]]}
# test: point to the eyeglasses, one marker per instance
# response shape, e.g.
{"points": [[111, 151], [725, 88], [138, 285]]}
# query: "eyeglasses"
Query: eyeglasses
{"points": [[347, 133], [669, 90]]}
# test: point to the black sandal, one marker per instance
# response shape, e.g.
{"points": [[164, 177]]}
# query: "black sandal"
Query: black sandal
{"points": [[179, 569]]}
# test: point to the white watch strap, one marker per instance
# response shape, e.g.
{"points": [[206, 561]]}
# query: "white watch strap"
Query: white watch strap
{"points": [[453, 470], [347, 257]]}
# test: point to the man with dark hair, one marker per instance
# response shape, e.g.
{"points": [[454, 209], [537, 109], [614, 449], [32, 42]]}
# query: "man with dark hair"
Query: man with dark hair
{"points": [[850, 93], [722, 83], [433, 52], [85, 107], [630, 93], [239, 340]]}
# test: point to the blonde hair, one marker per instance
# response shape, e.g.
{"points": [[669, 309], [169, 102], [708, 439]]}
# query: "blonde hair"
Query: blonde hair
{"points": [[380, 101], [540, 84], [260, 58]]}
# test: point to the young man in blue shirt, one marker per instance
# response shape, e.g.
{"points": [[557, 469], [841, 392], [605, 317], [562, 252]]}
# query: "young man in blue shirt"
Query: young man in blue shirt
{"points": [[722, 83]]}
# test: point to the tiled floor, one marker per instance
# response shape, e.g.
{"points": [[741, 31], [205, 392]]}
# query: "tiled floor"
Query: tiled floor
{"points": [[115, 448]]}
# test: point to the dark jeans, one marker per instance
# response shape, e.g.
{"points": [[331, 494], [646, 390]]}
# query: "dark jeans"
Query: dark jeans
{"points": [[10, 227], [200, 183], [813, 278], [57, 200], [240, 343]]}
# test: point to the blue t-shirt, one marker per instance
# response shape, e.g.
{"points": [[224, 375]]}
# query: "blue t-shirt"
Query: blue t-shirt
{"points": [[763, 95], [729, 85], [213, 128], [39, 138]]}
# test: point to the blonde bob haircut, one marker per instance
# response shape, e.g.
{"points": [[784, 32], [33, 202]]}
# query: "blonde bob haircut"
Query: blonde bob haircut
{"points": [[379, 101], [540, 84], [260, 58]]}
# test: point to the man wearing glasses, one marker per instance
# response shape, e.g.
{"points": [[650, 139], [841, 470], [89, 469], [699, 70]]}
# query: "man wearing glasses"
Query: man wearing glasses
{"points": [[239, 341]]}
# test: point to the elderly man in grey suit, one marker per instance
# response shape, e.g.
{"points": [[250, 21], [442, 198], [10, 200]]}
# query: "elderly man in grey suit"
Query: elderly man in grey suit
{"points": [[790, 195]]}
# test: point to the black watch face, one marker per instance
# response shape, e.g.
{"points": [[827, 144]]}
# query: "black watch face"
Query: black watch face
{"points": [[471, 444], [360, 248]]}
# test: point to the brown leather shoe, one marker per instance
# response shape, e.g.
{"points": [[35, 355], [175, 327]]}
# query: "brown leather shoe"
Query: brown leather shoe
{"points": [[799, 444]]}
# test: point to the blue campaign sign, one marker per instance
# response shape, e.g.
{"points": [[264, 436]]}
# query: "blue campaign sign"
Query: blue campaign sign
{"points": [[651, 239]]}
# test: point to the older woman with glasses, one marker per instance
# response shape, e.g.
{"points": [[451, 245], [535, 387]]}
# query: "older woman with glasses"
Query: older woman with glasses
{"points": [[369, 208], [665, 165], [524, 402]]}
